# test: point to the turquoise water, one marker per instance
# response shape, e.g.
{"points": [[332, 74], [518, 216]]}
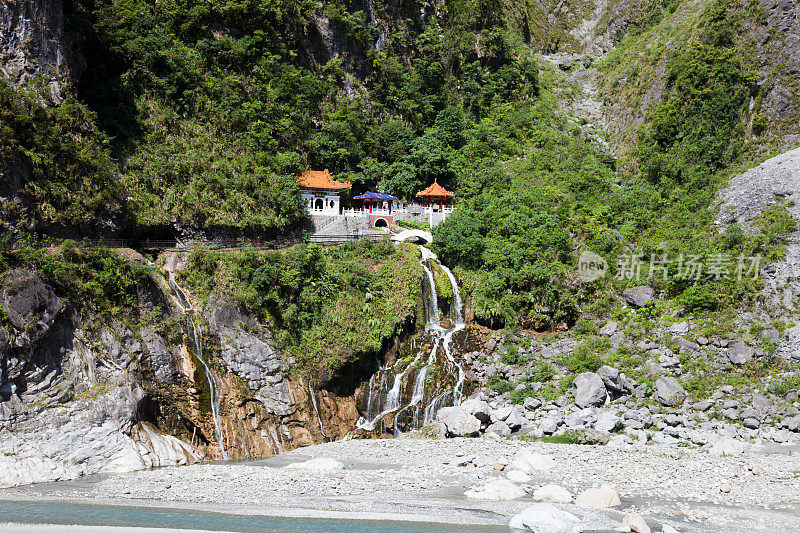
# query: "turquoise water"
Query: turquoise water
{"points": [[105, 515]]}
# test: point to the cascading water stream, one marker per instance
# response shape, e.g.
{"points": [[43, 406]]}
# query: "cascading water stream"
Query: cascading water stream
{"points": [[194, 331], [442, 337], [316, 409]]}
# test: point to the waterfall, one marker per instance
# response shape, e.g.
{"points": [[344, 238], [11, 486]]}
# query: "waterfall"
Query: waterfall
{"points": [[193, 329], [316, 409], [442, 338]]}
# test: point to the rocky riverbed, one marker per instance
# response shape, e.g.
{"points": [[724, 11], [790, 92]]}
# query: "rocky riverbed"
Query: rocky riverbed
{"points": [[426, 480]]}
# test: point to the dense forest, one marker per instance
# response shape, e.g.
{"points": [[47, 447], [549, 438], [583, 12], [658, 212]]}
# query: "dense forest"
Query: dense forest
{"points": [[200, 115]]}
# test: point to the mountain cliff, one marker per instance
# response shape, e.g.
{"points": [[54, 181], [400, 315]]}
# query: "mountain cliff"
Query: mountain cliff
{"points": [[609, 126]]}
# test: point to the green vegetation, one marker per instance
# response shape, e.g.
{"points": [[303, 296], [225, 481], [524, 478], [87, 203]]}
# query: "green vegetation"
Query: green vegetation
{"points": [[412, 224], [71, 180], [500, 385], [94, 280], [327, 307]]}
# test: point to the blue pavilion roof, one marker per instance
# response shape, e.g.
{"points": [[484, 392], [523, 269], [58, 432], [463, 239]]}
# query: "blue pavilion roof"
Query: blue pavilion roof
{"points": [[369, 195]]}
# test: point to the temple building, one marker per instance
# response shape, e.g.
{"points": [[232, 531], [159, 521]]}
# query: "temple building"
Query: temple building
{"points": [[436, 198], [320, 192], [378, 206]]}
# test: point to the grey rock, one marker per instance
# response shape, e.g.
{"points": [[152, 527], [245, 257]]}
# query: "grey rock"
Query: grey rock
{"points": [[606, 421], [609, 329], [545, 517], [751, 423], [704, 405], [30, 304], [679, 328], [590, 391], [531, 403], [499, 428], [565, 63], [459, 422], [771, 334], [478, 408], [161, 360], [740, 353], [639, 296], [249, 351], [515, 419], [668, 391], [617, 338], [501, 413], [548, 426], [34, 42], [611, 378]]}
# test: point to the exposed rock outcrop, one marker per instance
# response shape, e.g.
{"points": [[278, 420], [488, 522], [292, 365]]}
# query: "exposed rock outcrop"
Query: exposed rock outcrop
{"points": [[32, 41]]}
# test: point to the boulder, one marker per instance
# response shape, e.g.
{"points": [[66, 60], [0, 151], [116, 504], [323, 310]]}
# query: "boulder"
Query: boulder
{"points": [[590, 391], [30, 305], [515, 419], [531, 462], [609, 329], [668, 391], [478, 408], [679, 328], [545, 518], [771, 334], [565, 63], [607, 421], [499, 490], [579, 419], [598, 497], [322, 465], [727, 447], [639, 296], [531, 403], [739, 353], [459, 422], [501, 413], [636, 523], [499, 428], [551, 493], [611, 378], [548, 426]]}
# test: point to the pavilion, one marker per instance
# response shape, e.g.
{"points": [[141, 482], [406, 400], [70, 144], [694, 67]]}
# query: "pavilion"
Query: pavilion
{"points": [[380, 207], [320, 192], [436, 198]]}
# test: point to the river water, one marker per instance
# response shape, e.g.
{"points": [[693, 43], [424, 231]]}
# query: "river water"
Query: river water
{"points": [[42, 512]]}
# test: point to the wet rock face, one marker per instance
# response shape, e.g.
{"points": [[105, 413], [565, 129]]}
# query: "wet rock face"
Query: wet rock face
{"points": [[32, 40], [249, 351], [30, 304]]}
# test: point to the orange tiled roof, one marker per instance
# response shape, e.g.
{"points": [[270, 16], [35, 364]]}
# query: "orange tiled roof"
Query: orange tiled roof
{"points": [[435, 190], [320, 179]]}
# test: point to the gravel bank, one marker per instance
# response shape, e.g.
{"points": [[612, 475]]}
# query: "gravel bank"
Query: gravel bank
{"points": [[424, 480]]}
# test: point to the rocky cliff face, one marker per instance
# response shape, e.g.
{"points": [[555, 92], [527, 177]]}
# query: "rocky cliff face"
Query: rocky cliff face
{"points": [[770, 36], [32, 41], [82, 395]]}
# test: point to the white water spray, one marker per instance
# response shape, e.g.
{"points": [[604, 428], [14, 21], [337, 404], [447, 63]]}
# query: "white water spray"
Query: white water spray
{"points": [[316, 410], [442, 337], [194, 331]]}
